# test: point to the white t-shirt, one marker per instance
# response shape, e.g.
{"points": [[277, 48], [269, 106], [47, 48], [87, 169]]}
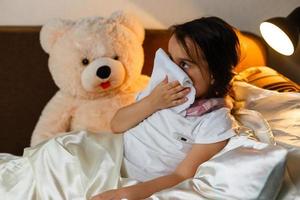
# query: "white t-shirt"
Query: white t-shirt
{"points": [[158, 144]]}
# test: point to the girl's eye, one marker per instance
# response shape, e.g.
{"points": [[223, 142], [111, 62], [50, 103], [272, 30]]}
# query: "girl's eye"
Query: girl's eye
{"points": [[85, 61], [184, 65]]}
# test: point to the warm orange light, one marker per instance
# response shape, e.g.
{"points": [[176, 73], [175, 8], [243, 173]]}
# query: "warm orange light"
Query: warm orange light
{"points": [[276, 38]]}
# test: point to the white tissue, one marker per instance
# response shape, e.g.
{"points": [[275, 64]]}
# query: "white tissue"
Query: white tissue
{"points": [[163, 66]]}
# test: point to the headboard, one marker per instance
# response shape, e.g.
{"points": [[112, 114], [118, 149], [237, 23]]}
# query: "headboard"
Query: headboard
{"points": [[26, 84]]}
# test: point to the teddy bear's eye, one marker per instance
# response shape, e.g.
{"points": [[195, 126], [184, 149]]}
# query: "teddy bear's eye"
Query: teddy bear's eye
{"points": [[85, 61], [116, 57]]}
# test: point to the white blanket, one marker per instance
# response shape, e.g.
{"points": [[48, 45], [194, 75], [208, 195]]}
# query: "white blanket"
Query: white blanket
{"points": [[71, 167], [80, 165]]}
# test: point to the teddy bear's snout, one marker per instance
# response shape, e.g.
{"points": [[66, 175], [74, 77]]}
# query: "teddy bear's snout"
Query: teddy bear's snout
{"points": [[103, 72]]}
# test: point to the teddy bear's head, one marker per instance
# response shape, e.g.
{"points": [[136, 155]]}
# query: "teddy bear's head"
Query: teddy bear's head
{"points": [[95, 56]]}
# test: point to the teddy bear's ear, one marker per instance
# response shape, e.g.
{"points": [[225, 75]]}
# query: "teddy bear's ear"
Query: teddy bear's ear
{"points": [[130, 21], [51, 31]]}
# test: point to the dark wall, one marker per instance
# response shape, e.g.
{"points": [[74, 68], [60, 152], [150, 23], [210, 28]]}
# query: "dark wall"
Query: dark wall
{"points": [[287, 65]]}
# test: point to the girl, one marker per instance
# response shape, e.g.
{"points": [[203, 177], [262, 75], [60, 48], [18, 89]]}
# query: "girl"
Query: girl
{"points": [[207, 50]]}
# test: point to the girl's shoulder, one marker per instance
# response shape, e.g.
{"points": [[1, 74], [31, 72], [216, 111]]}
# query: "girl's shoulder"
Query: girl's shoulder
{"points": [[216, 126]]}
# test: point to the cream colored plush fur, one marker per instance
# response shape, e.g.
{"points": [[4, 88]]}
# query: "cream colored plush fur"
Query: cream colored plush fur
{"points": [[88, 96]]}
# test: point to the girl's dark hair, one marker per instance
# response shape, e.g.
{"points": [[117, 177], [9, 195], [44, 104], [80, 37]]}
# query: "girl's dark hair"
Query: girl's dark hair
{"points": [[219, 44]]}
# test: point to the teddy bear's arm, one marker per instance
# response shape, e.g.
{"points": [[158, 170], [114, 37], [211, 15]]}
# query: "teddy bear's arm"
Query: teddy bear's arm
{"points": [[54, 120]]}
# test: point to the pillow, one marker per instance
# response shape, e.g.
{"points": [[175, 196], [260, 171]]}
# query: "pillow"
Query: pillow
{"points": [[267, 78], [244, 169], [280, 110]]}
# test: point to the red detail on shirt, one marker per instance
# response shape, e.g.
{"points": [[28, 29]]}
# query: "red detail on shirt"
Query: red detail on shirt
{"points": [[202, 106]]}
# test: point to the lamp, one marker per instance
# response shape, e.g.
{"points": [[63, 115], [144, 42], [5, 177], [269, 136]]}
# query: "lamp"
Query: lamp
{"points": [[282, 33]]}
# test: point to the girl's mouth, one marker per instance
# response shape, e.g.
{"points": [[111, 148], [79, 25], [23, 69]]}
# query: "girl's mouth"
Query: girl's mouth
{"points": [[105, 85]]}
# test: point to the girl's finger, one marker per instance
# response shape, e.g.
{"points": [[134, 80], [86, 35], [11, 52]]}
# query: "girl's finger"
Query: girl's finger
{"points": [[173, 84], [166, 79], [180, 88], [180, 94], [164, 82], [179, 101]]}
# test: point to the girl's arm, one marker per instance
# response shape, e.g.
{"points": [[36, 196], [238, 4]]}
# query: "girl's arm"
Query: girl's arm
{"points": [[186, 169], [164, 95]]}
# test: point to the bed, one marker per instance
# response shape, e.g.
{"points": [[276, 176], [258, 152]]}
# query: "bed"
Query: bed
{"points": [[24, 70]]}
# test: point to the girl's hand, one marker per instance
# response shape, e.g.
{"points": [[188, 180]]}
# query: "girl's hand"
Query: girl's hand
{"points": [[168, 94], [117, 194]]}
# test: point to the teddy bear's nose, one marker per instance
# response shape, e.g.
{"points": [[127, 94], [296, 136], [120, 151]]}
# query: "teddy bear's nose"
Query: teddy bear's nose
{"points": [[103, 71]]}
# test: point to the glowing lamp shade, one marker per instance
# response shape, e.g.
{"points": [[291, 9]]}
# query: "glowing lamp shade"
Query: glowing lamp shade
{"points": [[282, 33], [277, 38]]}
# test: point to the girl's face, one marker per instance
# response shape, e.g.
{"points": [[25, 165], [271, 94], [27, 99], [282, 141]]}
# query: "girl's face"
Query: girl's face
{"points": [[198, 72]]}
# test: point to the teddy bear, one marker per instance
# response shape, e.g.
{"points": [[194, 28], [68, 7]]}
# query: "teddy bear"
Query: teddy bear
{"points": [[96, 63]]}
